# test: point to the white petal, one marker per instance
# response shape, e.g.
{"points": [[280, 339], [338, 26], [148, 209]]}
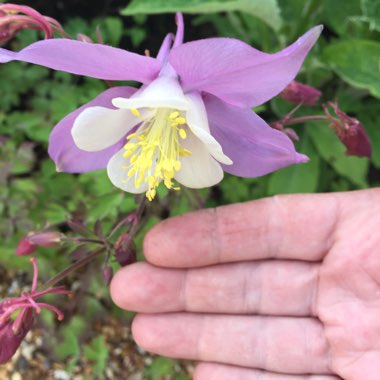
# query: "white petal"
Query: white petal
{"points": [[98, 128], [200, 169], [118, 176], [163, 92], [197, 121]]}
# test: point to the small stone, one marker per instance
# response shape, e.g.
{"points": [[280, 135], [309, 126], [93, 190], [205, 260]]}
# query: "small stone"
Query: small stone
{"points": [[16, 376], [60, 374]]}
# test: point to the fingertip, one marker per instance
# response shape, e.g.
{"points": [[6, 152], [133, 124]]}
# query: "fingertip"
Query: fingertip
{"points": [[181, 241], [127, 286]]}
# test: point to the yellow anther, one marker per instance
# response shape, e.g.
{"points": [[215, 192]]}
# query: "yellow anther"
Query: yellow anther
{"points": [[182, 133], [153, 152], [131, 172], [174, 115], [131, 136], [177, 166], [135, 112], [127, 153]]}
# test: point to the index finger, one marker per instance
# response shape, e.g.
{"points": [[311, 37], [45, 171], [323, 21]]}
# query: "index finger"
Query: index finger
{"points": [[298, 227]]}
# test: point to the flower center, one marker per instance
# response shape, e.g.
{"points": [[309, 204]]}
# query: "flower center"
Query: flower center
{"points": [[154, 149]]}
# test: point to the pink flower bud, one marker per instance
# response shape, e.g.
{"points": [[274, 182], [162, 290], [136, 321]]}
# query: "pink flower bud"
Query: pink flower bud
{"points": [[25, 247], [125, 250], [350, 132], [45, 239], [83, 38], [107, 274], [33, 240], [297, 92]]}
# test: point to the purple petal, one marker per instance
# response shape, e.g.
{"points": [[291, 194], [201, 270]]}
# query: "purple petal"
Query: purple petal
{"points": [[180, 30], [236, 72], [62, 149], [254, 147], [83, 58], [164, 50]]}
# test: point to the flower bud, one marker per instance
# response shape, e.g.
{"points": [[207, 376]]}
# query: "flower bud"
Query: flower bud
{"points": [[297, 92], [25, 247], [350, 132], [33, 240], [125, 250], [107, 274], [45, 239], [83, 38]]}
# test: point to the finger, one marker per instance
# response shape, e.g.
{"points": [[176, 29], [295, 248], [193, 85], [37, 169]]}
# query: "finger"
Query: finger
{"points": [[213, 371], [260, 287], [285, 345], [290, 227]]}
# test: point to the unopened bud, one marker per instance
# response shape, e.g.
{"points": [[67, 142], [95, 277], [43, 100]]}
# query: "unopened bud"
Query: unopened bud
{"points": [[107, 274], [297, 92], [292, 134], [350, 132], [83, 38], [25, 247], [125, 250], [37, 239]]}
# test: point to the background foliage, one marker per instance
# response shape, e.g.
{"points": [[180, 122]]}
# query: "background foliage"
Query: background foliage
{"points": [[344, 65]]}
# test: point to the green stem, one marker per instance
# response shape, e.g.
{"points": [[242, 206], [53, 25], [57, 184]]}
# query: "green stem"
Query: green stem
{"points": [[72, 268], [302, 119]]}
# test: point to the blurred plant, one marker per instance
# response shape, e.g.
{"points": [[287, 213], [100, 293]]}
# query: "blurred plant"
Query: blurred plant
{"points": [[14, 17], [12, 332], [348, 129]]}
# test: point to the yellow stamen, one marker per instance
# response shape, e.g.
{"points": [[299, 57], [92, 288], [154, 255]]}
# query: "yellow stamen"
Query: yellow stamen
{"points": [[135, 112], [154, 150], [182, 133], [174, 115]]}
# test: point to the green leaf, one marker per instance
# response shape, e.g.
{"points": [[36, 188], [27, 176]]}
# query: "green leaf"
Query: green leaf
{"points": [[69, 345], [371, 11], [356, 62], [330, 148], [160, 367], [267, 10], [97, 352], [338, 14], [302, 178]]}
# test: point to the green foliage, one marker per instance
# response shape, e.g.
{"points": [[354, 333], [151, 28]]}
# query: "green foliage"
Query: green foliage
{"points": [[267, 11], [357, 62], [371, 12], [97, 352], [299, 178], [162, 367]]}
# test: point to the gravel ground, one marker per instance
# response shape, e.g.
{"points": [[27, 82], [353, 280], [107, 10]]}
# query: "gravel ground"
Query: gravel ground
{"points": [[34, 361]]}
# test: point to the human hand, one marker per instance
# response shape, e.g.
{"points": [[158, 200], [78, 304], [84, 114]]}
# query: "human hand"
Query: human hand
{"points": [[282, 288]]}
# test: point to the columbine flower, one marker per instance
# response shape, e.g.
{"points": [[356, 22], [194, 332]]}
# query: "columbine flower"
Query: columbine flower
{"points": [[350, 132], [190, 120], [13, 331]]}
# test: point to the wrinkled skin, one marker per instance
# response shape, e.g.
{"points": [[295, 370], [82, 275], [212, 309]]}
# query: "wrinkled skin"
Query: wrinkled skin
{"points": [[281, 288]]}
